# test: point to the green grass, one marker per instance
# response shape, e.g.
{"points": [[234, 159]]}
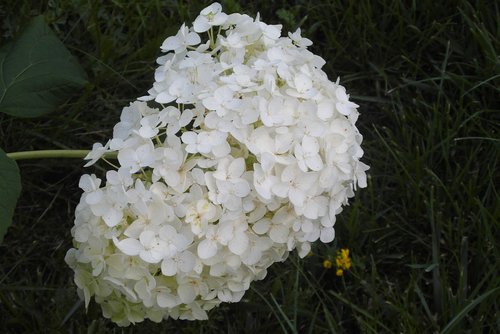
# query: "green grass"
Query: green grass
{"points": [[424, 234]]}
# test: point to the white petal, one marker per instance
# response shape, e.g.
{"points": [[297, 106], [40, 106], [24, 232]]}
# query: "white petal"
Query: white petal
{"points": [[236, 168], [182, 242], [263, 188], [89, 183], [201, 24], [166, 300], [189, 137], [279, 233], [193, 38], [214, 8], [171, 43], [241, 188], [304, 249], [164, 97], [211, 103], [327, 235], [343, 108], [327, 222], [341, 94], [239, 244], [297, 196], [261, 226], [311, 209], [94, 197], [149, 256], [252, 257], [168, 267], [197, 313], [314, 162], [310, 144], [280, 189], [221, 150], [219, 19], [325, 110], [113, 217], [135, 229], [145, 154], [207, 249], [225, 295], [148, 131], [128, 158], [302, 83], [167, 232], [129, 246], [188, 260], [186, 293], [81, 233], [147, 237], [361, 175], [307, 226]]}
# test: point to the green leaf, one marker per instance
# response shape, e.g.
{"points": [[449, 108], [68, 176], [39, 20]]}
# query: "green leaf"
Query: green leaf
{"points": [[10, 189], [37, 72]]}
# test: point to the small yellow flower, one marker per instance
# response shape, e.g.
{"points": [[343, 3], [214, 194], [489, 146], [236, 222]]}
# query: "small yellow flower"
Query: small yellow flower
{"points": [[327, 264], [343, 261]]}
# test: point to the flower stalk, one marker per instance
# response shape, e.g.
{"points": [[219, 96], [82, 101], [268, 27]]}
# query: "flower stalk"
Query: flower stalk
{"points": [[61, 154]]}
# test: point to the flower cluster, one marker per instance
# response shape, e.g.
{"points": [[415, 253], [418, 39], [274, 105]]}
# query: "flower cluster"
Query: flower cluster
{"points": [[250, 153]]}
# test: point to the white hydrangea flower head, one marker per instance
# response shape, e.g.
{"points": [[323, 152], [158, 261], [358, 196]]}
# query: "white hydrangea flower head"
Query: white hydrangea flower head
{"points": [[249, 153]]}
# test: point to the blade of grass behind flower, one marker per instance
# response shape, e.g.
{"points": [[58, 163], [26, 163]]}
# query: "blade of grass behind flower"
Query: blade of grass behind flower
{"points": [[359, 310], [456, 320], [283, 315], [276, 315]]}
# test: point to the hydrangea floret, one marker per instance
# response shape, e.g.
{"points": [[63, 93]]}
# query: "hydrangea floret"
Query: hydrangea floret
{"points": [[247, 153]]}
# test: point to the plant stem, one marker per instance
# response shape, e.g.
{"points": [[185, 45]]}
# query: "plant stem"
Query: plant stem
{"points": [[42, 154]]}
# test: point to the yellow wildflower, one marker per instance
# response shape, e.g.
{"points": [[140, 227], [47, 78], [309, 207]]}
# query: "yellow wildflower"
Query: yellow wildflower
{"points": [[343, 261], [327, 264]]}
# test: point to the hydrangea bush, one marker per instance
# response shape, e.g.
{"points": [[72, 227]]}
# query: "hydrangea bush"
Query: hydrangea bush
{"points": [[249, 152]]}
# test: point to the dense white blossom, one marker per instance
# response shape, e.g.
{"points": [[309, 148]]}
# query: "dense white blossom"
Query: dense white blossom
{"points": [[249, 153]]}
